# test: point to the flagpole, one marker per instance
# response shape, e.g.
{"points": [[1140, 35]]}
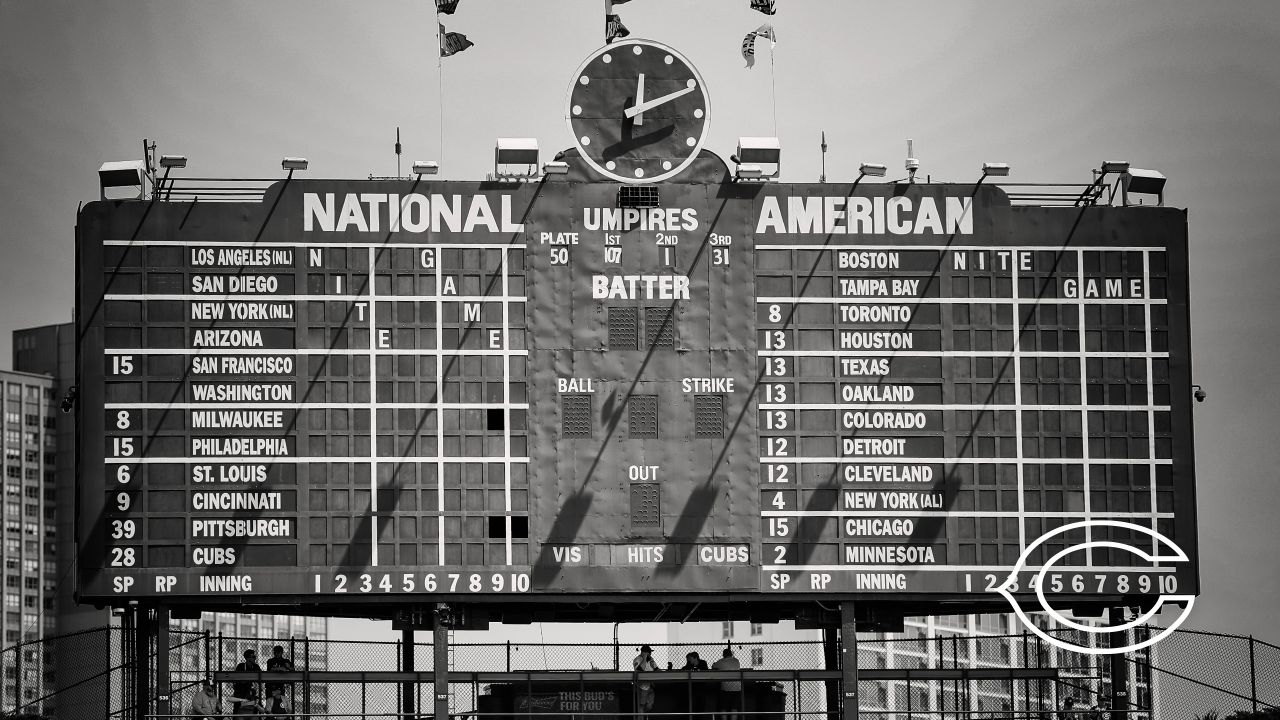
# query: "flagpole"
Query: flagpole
{"points": [[773, 88], [440, 86]]}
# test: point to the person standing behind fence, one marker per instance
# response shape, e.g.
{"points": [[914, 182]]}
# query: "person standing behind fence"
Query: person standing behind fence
{"points": [[276, 707], [730, 690], [243, 689], [644, 689], [278, 663]]}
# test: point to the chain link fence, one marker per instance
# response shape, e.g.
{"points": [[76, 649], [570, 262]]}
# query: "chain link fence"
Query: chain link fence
{"points": [[1187, 675]]}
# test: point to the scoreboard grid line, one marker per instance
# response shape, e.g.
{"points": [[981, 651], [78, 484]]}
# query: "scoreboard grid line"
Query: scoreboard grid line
{"points": [[947, 353], [373, 406], [954, 513], [942, 406], [992, 300], [1083, 349], [439, 362], [278, 460], [316, 245], [214, 352], [313, 406], [946, 248], [1151, 389], [242, 297], [1017, 416], [506, 400]]}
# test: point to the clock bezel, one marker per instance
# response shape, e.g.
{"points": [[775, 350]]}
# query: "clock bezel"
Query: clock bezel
{"points": [[692, 152]]}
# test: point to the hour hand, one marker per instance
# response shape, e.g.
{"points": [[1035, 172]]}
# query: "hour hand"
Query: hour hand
{"points": [[650, 104]]}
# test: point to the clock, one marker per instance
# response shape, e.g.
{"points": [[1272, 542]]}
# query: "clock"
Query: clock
{"points": [[638, 111]]}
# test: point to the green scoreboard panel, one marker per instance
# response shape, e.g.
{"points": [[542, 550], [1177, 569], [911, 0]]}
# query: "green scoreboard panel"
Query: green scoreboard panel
{"points": [[390, 388]]}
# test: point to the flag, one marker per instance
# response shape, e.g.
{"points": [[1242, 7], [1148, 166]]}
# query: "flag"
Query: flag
{"points": [[749, 42], [448, 6], [764, 6], [452, 43], [614, 29]]}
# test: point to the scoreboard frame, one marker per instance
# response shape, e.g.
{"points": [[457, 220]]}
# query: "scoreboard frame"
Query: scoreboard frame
{"points": [[539, 242]]}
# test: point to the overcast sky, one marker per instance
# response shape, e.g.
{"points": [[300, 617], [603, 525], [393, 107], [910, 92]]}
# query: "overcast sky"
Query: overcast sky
{"points": [[1189, 88]]}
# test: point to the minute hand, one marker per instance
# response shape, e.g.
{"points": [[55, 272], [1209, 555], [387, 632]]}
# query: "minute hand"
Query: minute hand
{"points": [[650, 104]]}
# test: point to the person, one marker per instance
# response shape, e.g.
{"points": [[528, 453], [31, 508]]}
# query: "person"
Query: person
{"points": [[1100, 711], [241, 690], [702, 702], [278, 663], [246, 705], [693, 662], [1068, 710], [276, 707], [730, 703], [644, 662], [205, 703]]}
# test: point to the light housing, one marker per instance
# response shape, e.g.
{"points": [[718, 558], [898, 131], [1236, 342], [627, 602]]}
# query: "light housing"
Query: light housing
{"points": [[995, 169], [1114, 166], [294, 163], [122, 173], [555, 167], [756, 152], [1142, 182], [749, 172], [509, 152], [173, 161], [426, 167], [873, 169]]}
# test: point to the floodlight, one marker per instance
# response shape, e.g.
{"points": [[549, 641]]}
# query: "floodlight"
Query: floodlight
{"points": [[750, 172], [759, 150], [173, 161], [1115, 166], [555, 167], [872, 170], [516, 151], [425, 167], [1142, 182], [995, 169], [121, 173], [294, 163]]}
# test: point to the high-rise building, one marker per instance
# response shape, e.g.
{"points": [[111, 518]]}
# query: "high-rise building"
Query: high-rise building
{"points": [[949, 641], [45, 359], [28, 438]]}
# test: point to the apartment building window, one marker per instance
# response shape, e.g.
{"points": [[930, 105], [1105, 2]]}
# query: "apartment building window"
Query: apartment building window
{"points": [[757, 628], [727, 629]]}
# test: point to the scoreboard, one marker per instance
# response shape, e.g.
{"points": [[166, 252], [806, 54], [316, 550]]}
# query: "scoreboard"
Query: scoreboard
{"points": [[395, 388]]}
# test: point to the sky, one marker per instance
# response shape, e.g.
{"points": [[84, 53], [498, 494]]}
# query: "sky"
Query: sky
{"points": [[1186, 87]]}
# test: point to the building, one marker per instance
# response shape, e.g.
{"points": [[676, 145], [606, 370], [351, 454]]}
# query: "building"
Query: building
{"points": [[949, 641], [45, 360], [30, 567], [305, 642]]}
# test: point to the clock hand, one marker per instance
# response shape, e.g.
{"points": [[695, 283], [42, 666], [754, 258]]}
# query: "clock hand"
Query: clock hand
{"points": [[639, 98], [641, 107]]}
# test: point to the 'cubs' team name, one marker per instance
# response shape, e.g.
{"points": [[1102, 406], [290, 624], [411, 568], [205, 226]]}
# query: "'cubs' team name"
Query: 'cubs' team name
{"points": [[242, 392], [635, 287], [865, 216], [218, 447], [235, 501], [242, 528], [242, 365], [888, 554], [415, 212], [251, 419], [226, 338]]}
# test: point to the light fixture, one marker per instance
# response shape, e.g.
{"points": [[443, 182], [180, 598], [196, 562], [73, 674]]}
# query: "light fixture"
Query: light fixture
{"points": [[758, 152], [425, 167], [1114, 166], [1198, 393], [872, 170], [749, 172], [294, 163], [515, 151], [173, 161], [1142, 182], [122, 173], [1093, 191], [995, 169], [555, 167]]}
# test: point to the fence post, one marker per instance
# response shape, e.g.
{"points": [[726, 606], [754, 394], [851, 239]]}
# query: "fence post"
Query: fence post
{"points": [[17, 669], [509, 656], [1253, 677]]}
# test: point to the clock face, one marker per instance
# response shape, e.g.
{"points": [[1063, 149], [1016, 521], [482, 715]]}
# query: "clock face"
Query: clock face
{"points": [[638, 111]]}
